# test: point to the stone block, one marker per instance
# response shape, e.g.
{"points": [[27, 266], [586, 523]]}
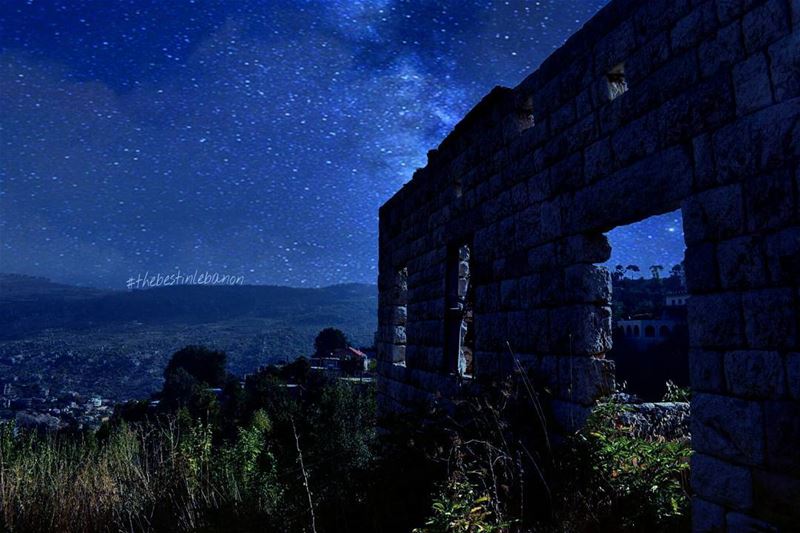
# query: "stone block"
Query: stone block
{"points": [[782, 428], [707, 517], [706, 371], [793, 374], [769, 200], [542, 257], [569, 417], [766, 24], [528, 330], [487, 298], [539, 187], [567, 175], [636, 140], [587, 284], [729, 428], [758, 142], [691, 29], [528, 226], [741, 263], [728, 10], [776, 496], [509, 294], [742, 523], [530, 291], [648, 58], [752, 84], [784, 62], [715, 321], [713, 215], [721, 51], [551, 219], [584, 380], [721, 482], [770, 318], [597, 160], [700, 265], [584, 248], [580, 330], [754, 373], [704, 168]]}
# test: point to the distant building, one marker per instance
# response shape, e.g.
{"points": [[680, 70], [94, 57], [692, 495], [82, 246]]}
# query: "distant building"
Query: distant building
{"points": [[652, 329], [342, 360]]}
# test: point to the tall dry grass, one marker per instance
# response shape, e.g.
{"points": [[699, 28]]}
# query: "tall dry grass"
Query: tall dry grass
{"points": [[155, 478]]}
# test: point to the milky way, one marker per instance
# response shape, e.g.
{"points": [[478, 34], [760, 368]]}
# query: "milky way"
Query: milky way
{"points": [[246, 138]]}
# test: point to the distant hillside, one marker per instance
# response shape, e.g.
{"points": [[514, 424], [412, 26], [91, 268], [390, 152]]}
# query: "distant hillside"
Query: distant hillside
{"points": [[115, 343]]}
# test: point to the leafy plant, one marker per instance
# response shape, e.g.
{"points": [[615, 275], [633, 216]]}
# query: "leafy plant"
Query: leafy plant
{"points": [[676, 393]]}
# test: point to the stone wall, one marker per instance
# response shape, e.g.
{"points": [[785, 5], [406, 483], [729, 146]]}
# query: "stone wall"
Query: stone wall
{"points": [[650, 107]]}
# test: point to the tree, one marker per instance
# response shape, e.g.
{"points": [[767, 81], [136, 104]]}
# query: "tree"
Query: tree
{"points": [[619, 273], [655, 271], [632, 268], [204, 365], [676, 270], [328, 340]]}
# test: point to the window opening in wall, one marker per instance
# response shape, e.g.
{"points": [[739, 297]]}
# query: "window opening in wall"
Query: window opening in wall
{"points": [[616, 81], [459, 323], [649, 322], [399, 317]]}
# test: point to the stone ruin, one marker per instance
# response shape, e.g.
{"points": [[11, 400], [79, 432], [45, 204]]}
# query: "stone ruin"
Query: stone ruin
{"points": [[650, 107]]}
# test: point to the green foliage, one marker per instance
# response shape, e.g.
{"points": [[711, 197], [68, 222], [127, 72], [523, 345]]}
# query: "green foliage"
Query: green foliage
{"points": [[631, 482], [460, 508], [676, 393], [329, 340], [204, 365]]}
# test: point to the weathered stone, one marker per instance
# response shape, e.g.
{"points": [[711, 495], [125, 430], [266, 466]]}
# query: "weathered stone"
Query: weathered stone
{"points": [[529, 330], [741, 263], [766, 135], [509, 294], [707, 517], [584, 248], [715, 321], [754, 373], [704, 168], [793, 374], [769, 201], [584, 380], [713, 215], [752, 84], [598, 160], [700, 265], [784, 58], [711, 123], [742, 523], [765, 24], [728, 10], [705, 369], [776, 496], [692, 28], [725, 427], [782, 427], [770, 318], [587, 284], [580, 329], [569, 416], [723, 50], [720, 482]]}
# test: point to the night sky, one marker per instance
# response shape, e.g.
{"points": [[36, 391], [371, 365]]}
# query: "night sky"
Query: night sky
{"points": [[245, 138]]}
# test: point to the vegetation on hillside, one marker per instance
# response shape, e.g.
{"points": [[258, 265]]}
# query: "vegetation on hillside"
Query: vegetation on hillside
{"points": [[291, 450]]}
